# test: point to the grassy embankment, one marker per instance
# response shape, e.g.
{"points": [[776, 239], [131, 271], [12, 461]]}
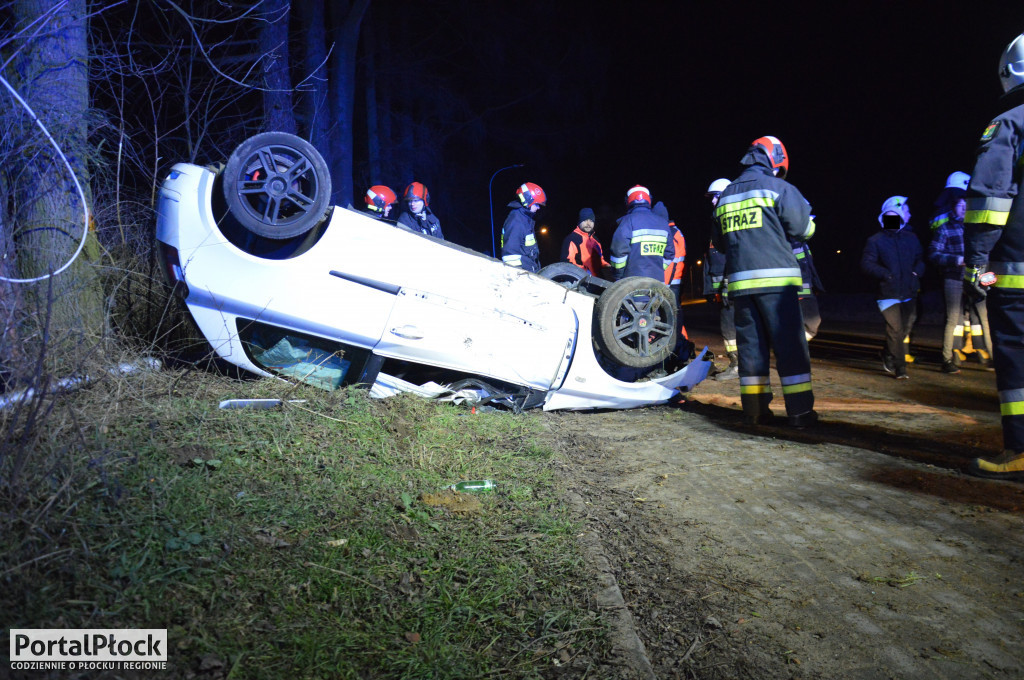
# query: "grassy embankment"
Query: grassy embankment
{"points": [[296, 542]]}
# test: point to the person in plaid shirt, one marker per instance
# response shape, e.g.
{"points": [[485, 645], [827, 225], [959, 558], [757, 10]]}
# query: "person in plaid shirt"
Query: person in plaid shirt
{"points": [[946, 251]]}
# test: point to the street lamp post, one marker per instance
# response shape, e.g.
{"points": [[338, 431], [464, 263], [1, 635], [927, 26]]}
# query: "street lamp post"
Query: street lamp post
{"points": [[490, 197]]}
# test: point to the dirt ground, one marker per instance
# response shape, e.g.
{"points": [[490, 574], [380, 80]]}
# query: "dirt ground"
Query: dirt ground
{"points": [[856, 549]]}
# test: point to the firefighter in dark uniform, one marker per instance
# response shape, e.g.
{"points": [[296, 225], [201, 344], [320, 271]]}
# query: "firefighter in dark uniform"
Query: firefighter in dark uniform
{"points": [[994, 242], [518, 241], [417, 216], [641, 245], [757, 214], [716, 292]]}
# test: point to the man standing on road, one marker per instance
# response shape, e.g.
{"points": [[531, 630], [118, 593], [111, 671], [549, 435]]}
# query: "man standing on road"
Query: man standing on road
{"points": [[892, 257], [757, 214], [641, 245], [994, 241]]}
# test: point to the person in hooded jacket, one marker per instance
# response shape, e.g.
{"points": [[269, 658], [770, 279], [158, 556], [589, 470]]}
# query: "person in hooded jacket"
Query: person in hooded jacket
{"points": [[757, 214], [518, 240], [582, 248], [641, 245], [893, 258], [417, 215], [994, 244]]}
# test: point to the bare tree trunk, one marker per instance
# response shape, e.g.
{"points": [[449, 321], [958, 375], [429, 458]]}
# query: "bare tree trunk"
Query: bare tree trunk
{"points": [[315, 104], [372, 120], [52, 74], [278, 113], [346, 40]]}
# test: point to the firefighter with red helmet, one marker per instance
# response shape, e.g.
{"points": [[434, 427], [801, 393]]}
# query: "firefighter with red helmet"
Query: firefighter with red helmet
{"points": [[642, 243], [417, 216], [994, 244], [380, 202], [518, 240], [756, 215]]}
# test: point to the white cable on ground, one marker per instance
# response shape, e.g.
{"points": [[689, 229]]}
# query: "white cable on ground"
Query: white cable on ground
{"points": [[85, 208]]}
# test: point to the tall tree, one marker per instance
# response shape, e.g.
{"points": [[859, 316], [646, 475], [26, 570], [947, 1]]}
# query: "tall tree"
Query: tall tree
{"points": [[313, 89], [278, 113], [347, 18], [50, 69]]}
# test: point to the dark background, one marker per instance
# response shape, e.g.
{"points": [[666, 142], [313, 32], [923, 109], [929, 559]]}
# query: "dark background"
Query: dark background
{"points": [[871, 99]]}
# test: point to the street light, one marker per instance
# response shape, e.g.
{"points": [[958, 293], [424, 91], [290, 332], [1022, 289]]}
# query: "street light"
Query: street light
{"points": [[490, 198]]}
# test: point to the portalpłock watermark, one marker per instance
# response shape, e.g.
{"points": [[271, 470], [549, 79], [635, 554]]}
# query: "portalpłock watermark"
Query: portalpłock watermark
{"points": [[84, 649]]}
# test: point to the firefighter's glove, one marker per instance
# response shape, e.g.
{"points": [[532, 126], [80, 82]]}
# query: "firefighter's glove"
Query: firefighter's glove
{"points": [[975, 284], [725, 293]]}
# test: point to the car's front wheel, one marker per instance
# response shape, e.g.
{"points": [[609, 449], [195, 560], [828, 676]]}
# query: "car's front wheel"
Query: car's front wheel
{"points": [[635, 322], [277, 185]]}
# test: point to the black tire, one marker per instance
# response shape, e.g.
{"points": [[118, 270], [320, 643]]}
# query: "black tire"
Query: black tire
{"points": [[635, 322], [564, 273], [277, 185]]}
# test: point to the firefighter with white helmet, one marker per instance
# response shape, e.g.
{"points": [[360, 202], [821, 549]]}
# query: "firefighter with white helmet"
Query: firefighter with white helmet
{"points": [[994, 244], [757, 214], [716, 291]]}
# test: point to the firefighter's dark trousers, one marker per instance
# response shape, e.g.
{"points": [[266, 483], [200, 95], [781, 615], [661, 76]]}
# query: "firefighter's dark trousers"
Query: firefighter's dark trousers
{"points": [[1006, 321], [766, 322]]}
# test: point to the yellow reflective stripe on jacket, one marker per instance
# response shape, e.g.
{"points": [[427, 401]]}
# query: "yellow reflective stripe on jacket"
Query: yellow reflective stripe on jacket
{"points": [[988, 210], [1009, 281], [768, 282]]}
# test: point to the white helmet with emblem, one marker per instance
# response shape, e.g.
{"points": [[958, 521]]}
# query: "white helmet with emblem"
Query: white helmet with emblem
{"points": [[1011, 64]]}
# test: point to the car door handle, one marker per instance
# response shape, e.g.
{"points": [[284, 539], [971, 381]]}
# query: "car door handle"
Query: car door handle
{"points": [[407, 332]]}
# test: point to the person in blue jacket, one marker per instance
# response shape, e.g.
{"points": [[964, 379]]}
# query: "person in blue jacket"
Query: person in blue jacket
{"points": [[518, 240], [893, 258]]}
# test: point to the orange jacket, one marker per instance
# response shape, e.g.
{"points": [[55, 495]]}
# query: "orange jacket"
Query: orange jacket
{"points": [[584, 251], [674, 272]]}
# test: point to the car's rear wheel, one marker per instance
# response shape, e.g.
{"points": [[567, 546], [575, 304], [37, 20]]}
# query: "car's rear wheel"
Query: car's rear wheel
{"points": [[564, 273], [277, 185], [635, 322]]}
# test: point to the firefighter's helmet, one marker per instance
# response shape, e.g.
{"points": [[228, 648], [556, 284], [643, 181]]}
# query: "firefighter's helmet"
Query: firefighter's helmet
{"points": [[417, 190], [638, 194], [531, 194], [717, 187], [1011, 64], [958, 180], [776, 153], [379, 197]]}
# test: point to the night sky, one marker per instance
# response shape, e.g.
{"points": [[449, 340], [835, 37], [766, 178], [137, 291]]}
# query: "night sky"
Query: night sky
{"points": [[871, 99]]}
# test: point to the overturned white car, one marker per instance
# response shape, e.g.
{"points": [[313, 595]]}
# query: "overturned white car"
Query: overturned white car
{"points": [[281, 283]]}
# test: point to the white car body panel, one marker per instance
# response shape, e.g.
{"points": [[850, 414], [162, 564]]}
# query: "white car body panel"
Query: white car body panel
{"points": [[403, 296]]}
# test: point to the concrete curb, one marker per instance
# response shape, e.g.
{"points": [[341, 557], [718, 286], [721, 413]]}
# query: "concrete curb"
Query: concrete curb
{"points": [[626, 641]]}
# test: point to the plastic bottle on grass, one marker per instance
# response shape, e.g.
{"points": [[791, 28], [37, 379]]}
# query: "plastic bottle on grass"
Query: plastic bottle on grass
{"points": [[474, 486]]}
